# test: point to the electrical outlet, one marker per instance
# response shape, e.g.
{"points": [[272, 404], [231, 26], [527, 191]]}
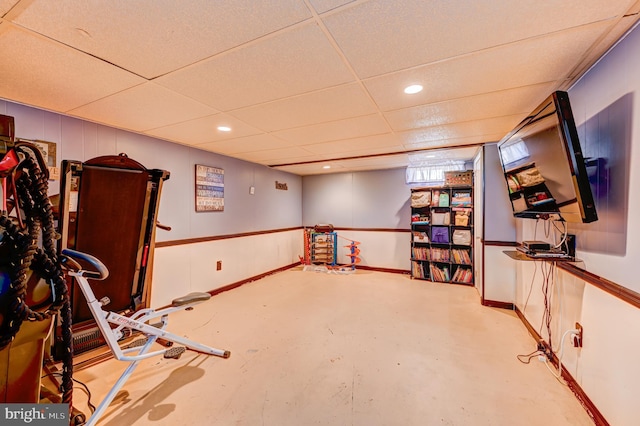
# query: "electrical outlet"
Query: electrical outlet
{"points": [[576, 338], [545, 350]]}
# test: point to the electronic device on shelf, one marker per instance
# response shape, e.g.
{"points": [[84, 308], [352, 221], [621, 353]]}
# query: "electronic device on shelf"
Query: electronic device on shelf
{"points": [[550, 253], [536, 245], [544, 167]]}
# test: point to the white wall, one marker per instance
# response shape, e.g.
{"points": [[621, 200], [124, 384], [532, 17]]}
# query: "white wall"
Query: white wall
{"points": [[374, 203], [187, 267], [478, 222], [499, 224], [499, 275], [498, 227], [182, 269], [616, 77], [378, 249], [371, 199], [606, 367]]}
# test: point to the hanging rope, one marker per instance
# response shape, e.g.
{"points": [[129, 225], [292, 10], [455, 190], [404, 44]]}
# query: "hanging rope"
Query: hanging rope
{"points": [[32, 222]]}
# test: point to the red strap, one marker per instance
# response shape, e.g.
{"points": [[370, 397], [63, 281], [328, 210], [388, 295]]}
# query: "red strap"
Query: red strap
{"points": [[8, 163]]}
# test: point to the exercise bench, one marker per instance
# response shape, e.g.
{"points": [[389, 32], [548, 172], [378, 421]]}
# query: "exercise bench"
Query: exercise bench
{"points": [[138, 321]]}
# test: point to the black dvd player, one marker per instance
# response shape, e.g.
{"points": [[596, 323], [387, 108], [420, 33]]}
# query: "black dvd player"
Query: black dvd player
{"points": [[536, 245], [543, 254]]}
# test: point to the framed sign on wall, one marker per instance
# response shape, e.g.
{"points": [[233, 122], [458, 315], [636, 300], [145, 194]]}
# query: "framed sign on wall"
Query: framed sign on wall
{"points": [[209, 189]]}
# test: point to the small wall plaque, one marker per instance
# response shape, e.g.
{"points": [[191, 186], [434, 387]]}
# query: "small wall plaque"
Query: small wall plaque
{"points": [[209, 189]]}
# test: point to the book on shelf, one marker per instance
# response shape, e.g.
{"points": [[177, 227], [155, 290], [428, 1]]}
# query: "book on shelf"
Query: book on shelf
{"points": [[417, 270], [461, 256], [420, 253], [437, 254], [440, 274], [463, 275]]}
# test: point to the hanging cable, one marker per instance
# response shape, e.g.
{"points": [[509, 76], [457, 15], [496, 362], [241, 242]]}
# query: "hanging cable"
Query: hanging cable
{"points": [[563, 232], [560, 357], [533, 280], [526, 359], [548, 279]]}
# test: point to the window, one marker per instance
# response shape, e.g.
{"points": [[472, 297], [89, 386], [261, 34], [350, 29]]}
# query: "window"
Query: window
{"points": [[429, 171]]}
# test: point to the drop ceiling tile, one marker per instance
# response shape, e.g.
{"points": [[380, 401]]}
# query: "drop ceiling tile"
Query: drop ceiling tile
{"points": [[399, 160], [478, 128], [322, 6], [153, 37], [289, 63], [464, 153], [493, 104], [501, 68], [371, 161], [143, 107], [203, 130], [313, 105], [439, 155], [375, 163], [6, 5], [374, 152], [453, 143], [277, 156], [356, 146], [382, 36], [309, 169], [336, 103], [356, 164], [258, 142], [52, 76], [367, 125]]}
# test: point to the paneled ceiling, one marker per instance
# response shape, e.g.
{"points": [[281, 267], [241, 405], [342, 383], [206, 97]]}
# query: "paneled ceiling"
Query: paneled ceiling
{"points": [[304, 83]]}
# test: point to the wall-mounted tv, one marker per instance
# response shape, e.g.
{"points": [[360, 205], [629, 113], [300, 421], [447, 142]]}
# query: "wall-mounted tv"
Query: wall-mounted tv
{"points": [[543, 165]]}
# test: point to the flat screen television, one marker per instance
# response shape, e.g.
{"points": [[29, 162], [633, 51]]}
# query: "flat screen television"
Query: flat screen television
{"points": [[544, 168]]}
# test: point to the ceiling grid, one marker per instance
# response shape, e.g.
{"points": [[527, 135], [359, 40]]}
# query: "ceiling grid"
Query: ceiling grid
{"points": [[304, 83]]}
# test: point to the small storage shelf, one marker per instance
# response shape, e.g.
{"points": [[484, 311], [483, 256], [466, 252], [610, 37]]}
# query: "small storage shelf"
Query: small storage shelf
{"points": [[442, 234], [323, 247]]}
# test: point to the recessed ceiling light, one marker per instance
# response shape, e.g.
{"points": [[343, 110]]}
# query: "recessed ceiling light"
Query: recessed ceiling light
{"points": [[224, 128], [414, 88], [326, 167]]}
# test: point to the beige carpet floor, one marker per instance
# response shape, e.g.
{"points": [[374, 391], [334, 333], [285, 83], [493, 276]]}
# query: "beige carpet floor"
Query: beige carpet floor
{"points": [[366, 349]]}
